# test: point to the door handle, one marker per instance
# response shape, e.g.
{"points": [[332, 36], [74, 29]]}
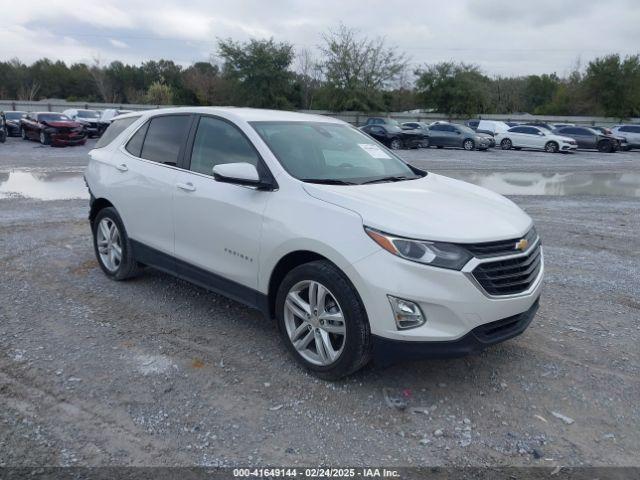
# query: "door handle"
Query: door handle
{"points": [[187, 187], [122, 167]]}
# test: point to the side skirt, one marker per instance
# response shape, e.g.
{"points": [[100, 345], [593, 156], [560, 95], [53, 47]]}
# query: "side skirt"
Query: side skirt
{"points": [[198, 276]]}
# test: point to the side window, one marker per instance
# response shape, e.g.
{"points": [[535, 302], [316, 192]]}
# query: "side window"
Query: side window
{"points": [[165, 136], [436, 128], [113, 130], [583, 131], [217, 142], [570, 131], [531, 131], [634, 129], [517, 130], [625, 129], [378, 130], [134, 145]]}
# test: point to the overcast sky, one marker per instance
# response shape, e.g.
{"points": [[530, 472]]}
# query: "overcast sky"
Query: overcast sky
{"points": [[504, 37]]}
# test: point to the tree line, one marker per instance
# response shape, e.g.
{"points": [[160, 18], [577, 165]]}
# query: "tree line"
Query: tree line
{"points": [[349, 71]]}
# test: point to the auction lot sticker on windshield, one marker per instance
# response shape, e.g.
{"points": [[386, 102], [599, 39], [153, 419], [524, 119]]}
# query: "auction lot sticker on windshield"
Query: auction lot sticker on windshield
{"points": [[374, 150]]}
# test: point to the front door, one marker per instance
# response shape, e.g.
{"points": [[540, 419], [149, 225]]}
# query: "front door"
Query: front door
{"points": [[218, 225]]}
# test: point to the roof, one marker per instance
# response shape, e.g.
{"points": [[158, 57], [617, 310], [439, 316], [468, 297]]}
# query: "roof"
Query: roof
{"points": [[243, 114]]}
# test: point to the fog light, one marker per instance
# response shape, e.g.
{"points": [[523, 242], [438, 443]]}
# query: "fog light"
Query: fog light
{"points": [[407, 314]]}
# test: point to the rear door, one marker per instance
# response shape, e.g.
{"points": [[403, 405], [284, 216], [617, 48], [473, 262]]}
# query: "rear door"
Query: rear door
{"points": [[585, 138], [147, 166], [218, 225]]}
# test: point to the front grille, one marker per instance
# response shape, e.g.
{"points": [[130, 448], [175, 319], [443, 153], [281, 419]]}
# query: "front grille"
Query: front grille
{"points": [[500, 248], [511, 276]]}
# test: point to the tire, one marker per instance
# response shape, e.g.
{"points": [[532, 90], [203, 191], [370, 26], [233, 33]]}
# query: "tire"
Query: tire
{"points": [[517, 148], [44, 138], [605, 147], [425, 143], [396, 144], [440, 146], [3, 136], [468, 144], [345, 353], [506, 144], [23, 134], [126, 266], [551, 147]]}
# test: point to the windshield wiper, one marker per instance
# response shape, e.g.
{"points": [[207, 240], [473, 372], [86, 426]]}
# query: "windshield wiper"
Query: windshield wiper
{"points": [[327, 181], [396, 178]]}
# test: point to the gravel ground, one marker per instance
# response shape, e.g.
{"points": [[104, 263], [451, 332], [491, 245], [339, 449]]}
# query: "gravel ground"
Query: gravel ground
{"points": [[155, 371]]}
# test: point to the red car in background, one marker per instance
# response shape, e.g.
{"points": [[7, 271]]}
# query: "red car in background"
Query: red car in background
{"points": [[51, 128]]}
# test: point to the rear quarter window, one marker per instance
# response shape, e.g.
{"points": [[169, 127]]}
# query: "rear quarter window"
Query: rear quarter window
{"points": [[113, 130]]}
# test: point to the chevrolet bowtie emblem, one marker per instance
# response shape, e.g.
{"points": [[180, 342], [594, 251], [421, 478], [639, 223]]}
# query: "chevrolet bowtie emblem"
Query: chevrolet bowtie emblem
{"points": [[522, 244]]}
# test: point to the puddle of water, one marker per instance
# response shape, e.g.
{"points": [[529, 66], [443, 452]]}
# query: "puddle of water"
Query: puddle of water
{"points": [[522, 183], [70, 185], [43, 185]]}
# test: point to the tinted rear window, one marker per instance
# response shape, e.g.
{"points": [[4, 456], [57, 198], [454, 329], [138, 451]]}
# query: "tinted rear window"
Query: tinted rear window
{"points": [[164, 138], [113, 130]]}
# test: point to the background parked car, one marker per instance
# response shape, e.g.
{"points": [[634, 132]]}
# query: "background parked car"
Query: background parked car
{"points": [[491, 127], [590, 139], [13, 122], [624, 142], [395, 137], [52, 129], [382, 121], [472, 124], [630, 132], [544, 125], [110, 113], [421, 127], [526, 136], [91, 119], [454, 135], [3, 129]]}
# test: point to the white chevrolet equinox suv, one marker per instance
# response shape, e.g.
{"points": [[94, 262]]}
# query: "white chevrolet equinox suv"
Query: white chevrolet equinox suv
{"points": [[355, 253]]}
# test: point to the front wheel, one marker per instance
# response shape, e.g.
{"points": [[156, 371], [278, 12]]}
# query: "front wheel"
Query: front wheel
{"points": [[44, 138], [468, 144], [605, 147], [23, 134], [323, 321], [112, 247], [551, 147], [506, 144], [396, 144], [425, 143]]}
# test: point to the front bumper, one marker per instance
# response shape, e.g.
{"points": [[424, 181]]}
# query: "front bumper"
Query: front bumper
{"points": [[569, 147], [13, 130], [386, 350], [452, 301], [68, 140]]}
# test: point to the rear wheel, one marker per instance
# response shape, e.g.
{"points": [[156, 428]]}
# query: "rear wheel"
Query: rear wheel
{"points": [[3, 136], [425, 143], [396, 144], [506, 144], [112, 247], [468, 144], [551, 147], [322, 320]]}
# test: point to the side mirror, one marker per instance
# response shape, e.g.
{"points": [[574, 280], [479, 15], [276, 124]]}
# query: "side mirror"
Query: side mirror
{"points": [[240, 174]]}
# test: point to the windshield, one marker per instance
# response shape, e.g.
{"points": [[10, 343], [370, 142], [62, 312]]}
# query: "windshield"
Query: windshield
{"points": [[14, 115], [315, 151], [53, 117], [87, 114]]}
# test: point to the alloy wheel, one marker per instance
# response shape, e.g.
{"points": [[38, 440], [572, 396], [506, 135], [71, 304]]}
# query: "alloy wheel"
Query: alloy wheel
{"points": [[468, 144], [43, 138], [315, 322], [506, 144], [396, 144], [551, 147], [109, 244]]}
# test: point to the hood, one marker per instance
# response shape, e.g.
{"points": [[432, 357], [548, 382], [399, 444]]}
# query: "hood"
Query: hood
{"points": [[432, 208], [63, 124]]}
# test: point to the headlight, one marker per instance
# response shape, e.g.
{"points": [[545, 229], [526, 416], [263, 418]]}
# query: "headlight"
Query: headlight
{"points": [[436, 254]]}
